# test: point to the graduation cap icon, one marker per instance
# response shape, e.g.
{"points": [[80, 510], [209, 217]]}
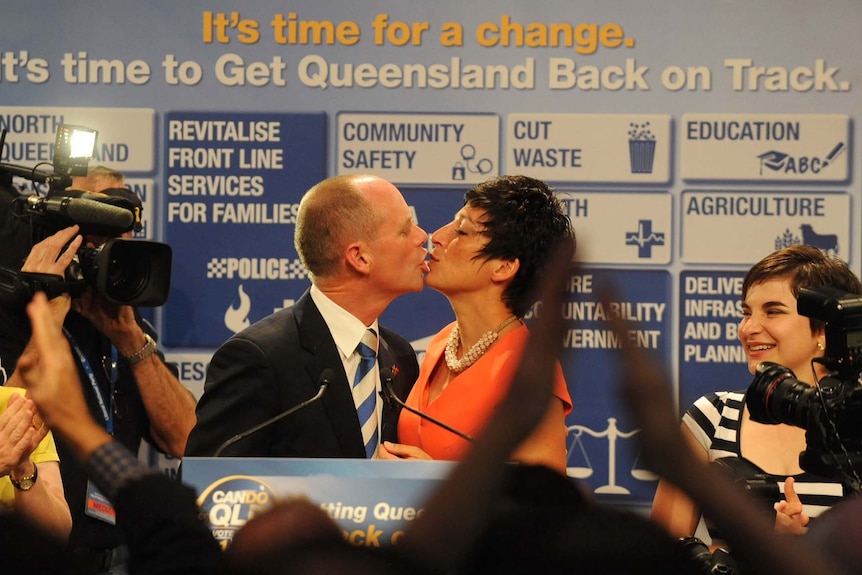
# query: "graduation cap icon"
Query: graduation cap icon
{"points": [[773, 160]]}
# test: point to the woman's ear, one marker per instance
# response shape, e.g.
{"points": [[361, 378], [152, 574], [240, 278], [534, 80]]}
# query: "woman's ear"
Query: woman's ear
{"points": [[505, 270]]}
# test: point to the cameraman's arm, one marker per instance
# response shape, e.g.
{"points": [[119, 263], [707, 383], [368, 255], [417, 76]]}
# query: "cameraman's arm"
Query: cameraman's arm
{"points": [[50, 256], [170, 406]]}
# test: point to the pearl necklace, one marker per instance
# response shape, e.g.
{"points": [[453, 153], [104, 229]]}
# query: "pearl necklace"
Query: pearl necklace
{"points": [[473, 354]]}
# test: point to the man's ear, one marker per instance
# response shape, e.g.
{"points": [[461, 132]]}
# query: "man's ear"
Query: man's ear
{"points": [[505, 270], [358, 257]]}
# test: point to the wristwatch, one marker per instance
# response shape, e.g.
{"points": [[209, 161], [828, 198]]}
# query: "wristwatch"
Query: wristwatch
{"points": [[143, 353], [25, 483]]}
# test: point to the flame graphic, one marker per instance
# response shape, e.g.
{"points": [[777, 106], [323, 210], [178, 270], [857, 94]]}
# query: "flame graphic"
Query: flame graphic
{"points": [[236, 319]]}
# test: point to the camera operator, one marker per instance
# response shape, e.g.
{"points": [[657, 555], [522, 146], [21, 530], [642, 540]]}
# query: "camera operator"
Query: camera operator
{"points": [[98, 179], [127, 385], [720, 426]]}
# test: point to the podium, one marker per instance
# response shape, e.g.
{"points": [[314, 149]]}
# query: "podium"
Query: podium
{"points": [[371, 500]]}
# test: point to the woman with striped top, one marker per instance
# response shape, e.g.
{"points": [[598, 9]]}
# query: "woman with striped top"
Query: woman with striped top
{"points": [[719, 425]]}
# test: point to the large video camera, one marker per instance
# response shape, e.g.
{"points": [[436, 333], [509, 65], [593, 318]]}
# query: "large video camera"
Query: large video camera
{"points": [[831, 411], [124, 271]]}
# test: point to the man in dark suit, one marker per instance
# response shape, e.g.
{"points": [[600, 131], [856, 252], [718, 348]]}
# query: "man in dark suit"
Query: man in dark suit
{"points": [[356, 236]]}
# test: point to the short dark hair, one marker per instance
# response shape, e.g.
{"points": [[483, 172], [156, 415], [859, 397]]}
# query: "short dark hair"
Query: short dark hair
{"points": [[803, 266], [523, 220]]}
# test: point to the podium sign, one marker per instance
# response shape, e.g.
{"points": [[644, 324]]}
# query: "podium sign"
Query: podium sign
{"points": [[371, 500]]}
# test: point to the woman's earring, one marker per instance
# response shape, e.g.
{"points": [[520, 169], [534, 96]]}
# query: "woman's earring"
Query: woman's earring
{"points": [[820, 346]]}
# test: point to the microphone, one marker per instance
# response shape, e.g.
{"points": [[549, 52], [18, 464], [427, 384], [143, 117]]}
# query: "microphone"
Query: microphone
{"points": [[386, 376], [83, 211], [326, 378]]}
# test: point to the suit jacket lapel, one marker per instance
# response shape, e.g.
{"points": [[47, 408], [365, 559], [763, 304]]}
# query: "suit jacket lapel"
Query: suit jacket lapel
{"points": [[338, 400]]}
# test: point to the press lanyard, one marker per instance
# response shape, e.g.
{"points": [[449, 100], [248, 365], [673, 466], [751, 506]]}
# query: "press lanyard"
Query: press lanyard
{"points": [[107, 410]]}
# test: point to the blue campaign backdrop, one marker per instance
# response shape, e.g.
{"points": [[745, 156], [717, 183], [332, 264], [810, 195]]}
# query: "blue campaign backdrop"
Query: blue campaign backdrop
{"points": [[688, 139]]}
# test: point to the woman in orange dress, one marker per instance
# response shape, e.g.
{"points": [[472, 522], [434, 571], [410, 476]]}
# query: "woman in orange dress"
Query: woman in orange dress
{"points": [[486, 262]]}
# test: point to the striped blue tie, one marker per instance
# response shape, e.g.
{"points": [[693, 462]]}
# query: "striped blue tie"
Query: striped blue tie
{"points": [[364, 391]]}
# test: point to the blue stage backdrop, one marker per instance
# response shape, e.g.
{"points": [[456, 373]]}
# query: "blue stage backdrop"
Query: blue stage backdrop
{"points": [[688, 140]]}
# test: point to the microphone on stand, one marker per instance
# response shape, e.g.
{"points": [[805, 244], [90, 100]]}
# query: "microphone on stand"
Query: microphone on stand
{"points": [[326, 378], [389, 395]]}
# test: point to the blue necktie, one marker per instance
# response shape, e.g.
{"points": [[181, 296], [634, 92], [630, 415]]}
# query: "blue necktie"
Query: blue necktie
{"points": [[364, 391]]}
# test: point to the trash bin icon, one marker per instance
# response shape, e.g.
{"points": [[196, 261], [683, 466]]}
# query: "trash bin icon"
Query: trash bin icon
{"points": [[641, 154]]}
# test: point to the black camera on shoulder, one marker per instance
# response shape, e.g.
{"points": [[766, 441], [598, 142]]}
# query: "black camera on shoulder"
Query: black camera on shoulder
{"points": [[831, 411], [124, 271]]}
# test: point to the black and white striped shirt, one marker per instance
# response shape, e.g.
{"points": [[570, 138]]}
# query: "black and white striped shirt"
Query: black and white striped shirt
{"points": [[715, 421]]}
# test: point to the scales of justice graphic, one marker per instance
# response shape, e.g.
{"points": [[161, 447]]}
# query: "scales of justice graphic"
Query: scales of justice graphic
{"points": [[576, 448]]}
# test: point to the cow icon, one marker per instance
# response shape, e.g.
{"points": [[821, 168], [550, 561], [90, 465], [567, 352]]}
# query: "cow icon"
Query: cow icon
{"points": [[825, 242]]}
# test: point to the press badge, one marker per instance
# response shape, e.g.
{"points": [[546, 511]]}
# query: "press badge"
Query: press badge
{"points": [[98, 506]]}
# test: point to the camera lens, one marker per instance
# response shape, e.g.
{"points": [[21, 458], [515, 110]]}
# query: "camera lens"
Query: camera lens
{"points": [[776, 396], [698, 552], [704, 560], [127, 278], [134, 272]]}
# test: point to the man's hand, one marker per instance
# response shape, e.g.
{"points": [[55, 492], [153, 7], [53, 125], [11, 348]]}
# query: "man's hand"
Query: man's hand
{"points": [[646, 393], [525, 404], [50, 374], [52, 256], [116, 322]]}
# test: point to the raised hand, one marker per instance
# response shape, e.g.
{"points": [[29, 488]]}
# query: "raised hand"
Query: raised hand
{"points": [[50, 374], [789, 518]]}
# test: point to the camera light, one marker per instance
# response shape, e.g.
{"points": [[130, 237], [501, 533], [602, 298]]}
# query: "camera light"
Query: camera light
{"points": [[82, 143], [73, 149]]}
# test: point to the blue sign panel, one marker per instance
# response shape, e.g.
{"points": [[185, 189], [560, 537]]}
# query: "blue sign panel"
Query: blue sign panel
{"points": [[602, 443], [232, 188], [710, 355]]}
